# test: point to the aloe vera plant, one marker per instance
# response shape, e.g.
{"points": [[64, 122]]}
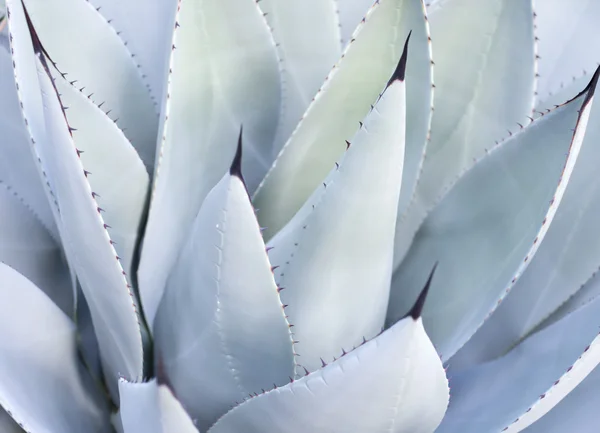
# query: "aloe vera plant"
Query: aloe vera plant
{"points": [[240, 216]]}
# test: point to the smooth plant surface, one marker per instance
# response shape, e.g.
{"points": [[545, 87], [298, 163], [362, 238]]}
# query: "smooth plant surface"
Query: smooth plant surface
{"points": [[325, 216]]}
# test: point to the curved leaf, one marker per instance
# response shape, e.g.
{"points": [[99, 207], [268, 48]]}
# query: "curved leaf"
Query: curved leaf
{"points": [[351, 13], [89, 51], [224, 73], [343, 101], [476, 45], [514, 391], [334, 258], [36, 361], [83, 231], [561, 266], [486, 230], [220, 332], [394, 383]]}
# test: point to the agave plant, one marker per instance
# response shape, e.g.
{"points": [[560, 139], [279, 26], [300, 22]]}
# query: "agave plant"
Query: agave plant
{"points": [[240, 216]]}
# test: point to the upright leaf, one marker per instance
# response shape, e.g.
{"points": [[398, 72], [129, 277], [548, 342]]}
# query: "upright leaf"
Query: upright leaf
{"points": [[343, 101], [83, 230], [38, 356], [334, 258], [224, 73], [486, 230], [484, 77], [221, 332], [91, 54]]}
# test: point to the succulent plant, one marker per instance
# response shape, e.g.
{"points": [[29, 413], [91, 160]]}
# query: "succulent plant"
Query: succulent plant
{"points": [[224, 216]]}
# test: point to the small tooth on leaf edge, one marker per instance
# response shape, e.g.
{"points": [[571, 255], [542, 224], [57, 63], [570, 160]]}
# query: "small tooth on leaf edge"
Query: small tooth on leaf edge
{"points": [[236, 165], [401, 68], [417, 309]]}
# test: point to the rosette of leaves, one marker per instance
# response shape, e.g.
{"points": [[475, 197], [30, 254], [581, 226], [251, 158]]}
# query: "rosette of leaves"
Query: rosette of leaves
{"points": [[238, 216]]}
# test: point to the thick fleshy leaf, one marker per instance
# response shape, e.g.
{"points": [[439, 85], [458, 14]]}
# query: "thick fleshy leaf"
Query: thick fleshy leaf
{"points": [[566, 92], [86, 240], [152, 408], [220, 332], [577, 412], [351, 13], [394, 383], [334, 258], [486, 230], [568, 52], [7, 424], [343, 101], [87, 49], [146, 27], [25, 245], [36, 361], [17, 165], [476, 46], [514, 391], [224, 73], [561, 266], [116, 173], [307, 56]]}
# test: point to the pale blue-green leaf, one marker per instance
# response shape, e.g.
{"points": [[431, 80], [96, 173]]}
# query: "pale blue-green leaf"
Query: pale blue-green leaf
{"points": [[224, 73], [37, 361], [152, 408], [484, 78], [220, 332], [26, 245], [17, 165], [568, 37], [351, 12], [392, 384], [562, 94], [577, 412], [334, 116], [85, 239], [334, 258], [307, 34], [117, 176], [146, 26], [89, 51], [561, 266], [519, 388], [88, 342], [485, 231]]}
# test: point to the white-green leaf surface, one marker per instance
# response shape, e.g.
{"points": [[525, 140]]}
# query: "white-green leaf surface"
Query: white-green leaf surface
{"points": [[568, 40], [117, 175], [564, 262], [146, 27], [342, 102], [89, 51], [221, 332], [224, 73], [26, 246], [334, 258], [7, 424], [351, 12], [484, 78], [307, 34], [485, 231], [86, 241], [514, 391], [17, 165], [392, 384], [152, 408], [38, 357]]}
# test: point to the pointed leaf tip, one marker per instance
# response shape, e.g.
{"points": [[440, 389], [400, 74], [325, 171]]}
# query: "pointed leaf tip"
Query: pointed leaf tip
{"points": [[401, 68], [236, 165], [417, 309], [590, 89]]}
